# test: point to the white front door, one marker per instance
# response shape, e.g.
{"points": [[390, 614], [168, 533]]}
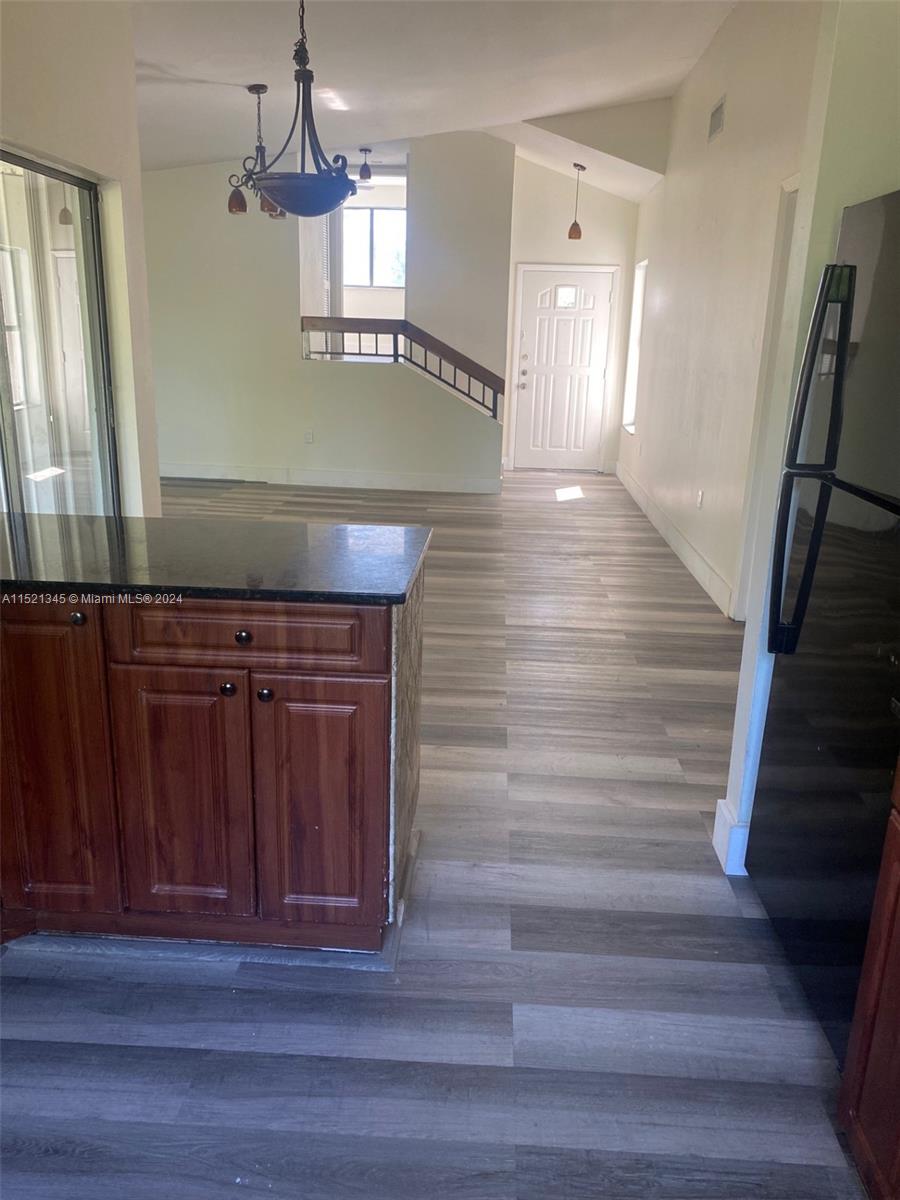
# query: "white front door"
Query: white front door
{"points": [[560, 367]]}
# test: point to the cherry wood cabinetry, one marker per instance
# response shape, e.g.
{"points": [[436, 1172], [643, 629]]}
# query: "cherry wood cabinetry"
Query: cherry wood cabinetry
{"points": [[305, 637], [182, 739], [870, 1097], [214, 769], [321, 797], [59, 827]]}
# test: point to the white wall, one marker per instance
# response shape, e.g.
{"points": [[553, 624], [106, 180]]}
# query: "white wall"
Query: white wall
{"points": [[851, 153], [542, 212], [235, 398], [68, 99], [708, 231], [459, 213]]}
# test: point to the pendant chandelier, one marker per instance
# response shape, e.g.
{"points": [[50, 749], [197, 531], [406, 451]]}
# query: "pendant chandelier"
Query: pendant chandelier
{"points": [[305, 193], [575, 228]]}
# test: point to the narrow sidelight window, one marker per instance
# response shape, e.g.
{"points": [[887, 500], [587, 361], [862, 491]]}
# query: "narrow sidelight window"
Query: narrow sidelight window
{"points": [[629, 408]]}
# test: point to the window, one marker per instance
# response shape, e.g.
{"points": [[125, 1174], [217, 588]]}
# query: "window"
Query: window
{"points": [[629, 408], [56, 431], [374, 247]]}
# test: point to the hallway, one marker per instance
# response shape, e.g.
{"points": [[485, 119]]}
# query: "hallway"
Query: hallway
{"points": [[583, 1007]]}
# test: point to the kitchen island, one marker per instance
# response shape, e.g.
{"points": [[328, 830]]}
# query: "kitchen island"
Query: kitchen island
{"points": [[210, 728]]}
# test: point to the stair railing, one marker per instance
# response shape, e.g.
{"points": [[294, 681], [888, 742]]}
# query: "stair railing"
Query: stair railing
{"points": [[373, 339]]}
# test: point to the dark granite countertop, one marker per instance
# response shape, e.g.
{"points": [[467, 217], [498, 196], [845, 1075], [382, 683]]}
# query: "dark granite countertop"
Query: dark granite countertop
{"points": [[228, 559]]}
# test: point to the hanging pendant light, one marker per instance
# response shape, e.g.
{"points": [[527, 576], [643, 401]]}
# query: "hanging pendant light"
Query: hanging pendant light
{"points": [[575, 228], [65, 216], [236, 201], [365, 171], [305, 193]]}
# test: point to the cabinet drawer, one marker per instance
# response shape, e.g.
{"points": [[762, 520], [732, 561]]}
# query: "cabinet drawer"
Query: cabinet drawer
{"points": [[229, 633]]}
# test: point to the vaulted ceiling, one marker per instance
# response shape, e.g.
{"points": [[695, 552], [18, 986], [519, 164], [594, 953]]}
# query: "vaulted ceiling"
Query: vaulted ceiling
{"points": [[390, 70]]}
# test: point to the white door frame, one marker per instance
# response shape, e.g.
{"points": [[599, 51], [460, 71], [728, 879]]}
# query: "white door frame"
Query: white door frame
{"points": [[512, 398]]}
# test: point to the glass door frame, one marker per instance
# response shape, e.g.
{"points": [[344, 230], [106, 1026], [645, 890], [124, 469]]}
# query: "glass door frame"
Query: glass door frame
{"points": [[10, 478]]}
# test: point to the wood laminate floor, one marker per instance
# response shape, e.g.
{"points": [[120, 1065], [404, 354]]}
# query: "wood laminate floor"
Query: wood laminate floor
{"points": [[584, 1007]]}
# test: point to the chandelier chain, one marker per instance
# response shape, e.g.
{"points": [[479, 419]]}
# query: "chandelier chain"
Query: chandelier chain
{"points": [[301, 53]]}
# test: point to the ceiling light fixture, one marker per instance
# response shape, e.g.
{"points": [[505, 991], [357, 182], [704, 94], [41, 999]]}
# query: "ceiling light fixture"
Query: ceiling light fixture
{"points": [[305, 193], [575, 228], [365, 171]]}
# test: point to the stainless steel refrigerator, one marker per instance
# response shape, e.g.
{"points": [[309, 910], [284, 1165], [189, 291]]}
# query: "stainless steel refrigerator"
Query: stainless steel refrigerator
{"points": [[832, 732]]}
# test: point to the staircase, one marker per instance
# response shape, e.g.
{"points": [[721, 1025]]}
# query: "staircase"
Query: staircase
{"points": [[370, 339]]}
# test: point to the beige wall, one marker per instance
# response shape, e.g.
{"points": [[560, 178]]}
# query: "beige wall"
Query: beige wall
{"points": [[459, 213], [709, 233], [68, 98], [542, 212], [236, 399]]}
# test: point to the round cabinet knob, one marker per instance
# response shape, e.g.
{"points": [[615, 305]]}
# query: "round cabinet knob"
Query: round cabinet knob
{"points": [[78, 618], [228, 689], [265, 694], [243, 637]]}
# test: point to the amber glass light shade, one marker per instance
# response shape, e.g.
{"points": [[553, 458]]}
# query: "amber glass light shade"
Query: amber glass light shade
{"points": [[574, 232], [266, 205], [237, 202]]}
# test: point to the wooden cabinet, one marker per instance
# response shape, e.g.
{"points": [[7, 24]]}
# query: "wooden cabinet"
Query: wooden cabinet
{"points": [[321, 784], [870, 1096], [183, 762], [59, 825], [295, 637], [166, 777]]}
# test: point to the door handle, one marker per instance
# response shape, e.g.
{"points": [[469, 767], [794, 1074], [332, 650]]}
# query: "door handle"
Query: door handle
{"points": [[243, 637], [228, 689], [78, 618], [265, 694]]}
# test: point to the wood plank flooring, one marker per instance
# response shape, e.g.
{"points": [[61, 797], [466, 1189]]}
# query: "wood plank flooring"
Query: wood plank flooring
{"points": [[584, 1007]]}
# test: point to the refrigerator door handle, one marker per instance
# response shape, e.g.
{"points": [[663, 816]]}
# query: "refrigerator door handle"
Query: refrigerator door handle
{"points": [[784, 634], [835, 287]]}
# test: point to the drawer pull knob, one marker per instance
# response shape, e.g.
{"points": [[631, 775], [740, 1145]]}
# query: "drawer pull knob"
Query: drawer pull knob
{"points": [[265, 694], [243, 637], [228, 689], [78, 618]]}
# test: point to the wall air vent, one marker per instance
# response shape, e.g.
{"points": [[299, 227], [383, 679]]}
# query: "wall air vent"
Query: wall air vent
{"points": [[716, 120]]}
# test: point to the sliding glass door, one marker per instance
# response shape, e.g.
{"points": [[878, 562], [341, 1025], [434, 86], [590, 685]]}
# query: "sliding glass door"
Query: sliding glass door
{"points": [[56, 420]]}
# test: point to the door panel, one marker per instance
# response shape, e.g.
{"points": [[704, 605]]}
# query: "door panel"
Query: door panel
{"points": [[561, 368], [183, 762], [321, 783], [59, 820]]}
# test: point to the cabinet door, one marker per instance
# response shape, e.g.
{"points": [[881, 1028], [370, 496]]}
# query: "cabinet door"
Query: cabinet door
{"points": [[870, 1098], [60, 850], [183, 763], [320, 762]]}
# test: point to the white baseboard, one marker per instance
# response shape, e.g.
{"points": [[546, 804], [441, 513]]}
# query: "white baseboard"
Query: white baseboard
{"points": [[719, 589], [406, 481], [730, 839]]}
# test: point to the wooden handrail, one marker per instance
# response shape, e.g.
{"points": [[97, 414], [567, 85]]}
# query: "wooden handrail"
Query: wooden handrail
{"points": [[432, 345]]}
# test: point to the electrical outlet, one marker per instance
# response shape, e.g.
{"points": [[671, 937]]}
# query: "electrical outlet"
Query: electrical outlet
{"points": [[308, 437], [700, 498]]}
